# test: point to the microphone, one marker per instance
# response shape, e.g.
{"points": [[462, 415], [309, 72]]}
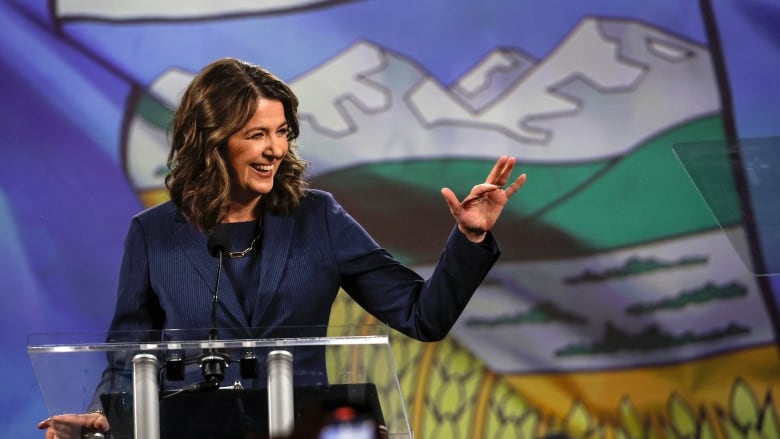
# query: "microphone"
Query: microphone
{"points": [[218, 242], [213, 363]]}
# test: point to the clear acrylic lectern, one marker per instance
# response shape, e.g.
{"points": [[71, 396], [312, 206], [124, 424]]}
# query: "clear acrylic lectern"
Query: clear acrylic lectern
{"points": [[161, 383], [739, 181]]}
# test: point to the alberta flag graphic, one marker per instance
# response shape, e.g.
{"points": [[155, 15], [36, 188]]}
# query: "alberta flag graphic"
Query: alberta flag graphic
{"points": [[620, 307]]}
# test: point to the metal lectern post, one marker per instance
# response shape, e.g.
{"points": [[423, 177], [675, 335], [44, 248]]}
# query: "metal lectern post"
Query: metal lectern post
{"points": [[146, 405]]}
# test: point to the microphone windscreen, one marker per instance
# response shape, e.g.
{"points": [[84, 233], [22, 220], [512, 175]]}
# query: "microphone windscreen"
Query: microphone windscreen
{"points": [[219, 240]]}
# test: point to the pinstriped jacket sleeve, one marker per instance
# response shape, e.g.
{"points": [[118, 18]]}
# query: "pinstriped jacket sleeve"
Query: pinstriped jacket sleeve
{"points": [[424, 309]]}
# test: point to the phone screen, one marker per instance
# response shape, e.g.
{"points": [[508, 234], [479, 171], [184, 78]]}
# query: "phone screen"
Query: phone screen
{"points": [[349, 430], [347, 424]]}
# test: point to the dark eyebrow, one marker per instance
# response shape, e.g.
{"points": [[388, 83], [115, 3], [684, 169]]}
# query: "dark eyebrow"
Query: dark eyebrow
{"points": [[285, 125]]}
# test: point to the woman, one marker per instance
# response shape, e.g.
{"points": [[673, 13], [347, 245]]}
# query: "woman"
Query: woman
{"points": [[234, 171]]}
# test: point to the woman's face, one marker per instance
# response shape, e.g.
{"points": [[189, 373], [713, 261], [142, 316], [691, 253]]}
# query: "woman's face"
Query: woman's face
{"points": [[255, 152]]}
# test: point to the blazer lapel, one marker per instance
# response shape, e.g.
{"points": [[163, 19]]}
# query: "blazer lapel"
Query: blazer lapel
{"points": [[194, 244], [277, 236]]}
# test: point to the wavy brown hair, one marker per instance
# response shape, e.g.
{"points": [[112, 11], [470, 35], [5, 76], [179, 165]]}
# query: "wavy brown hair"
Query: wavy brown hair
{"points": [[218, 102]]}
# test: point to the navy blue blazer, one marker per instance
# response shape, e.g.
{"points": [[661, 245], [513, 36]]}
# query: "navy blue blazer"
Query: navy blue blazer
{"points": [[167, 276], [167, 280]]}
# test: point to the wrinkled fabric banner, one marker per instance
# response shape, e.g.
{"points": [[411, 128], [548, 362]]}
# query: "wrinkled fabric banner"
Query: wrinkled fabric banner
{"points": [[627, 299]]}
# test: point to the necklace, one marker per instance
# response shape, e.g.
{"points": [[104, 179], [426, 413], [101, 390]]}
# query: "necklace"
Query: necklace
{"points": [[244, 252]]}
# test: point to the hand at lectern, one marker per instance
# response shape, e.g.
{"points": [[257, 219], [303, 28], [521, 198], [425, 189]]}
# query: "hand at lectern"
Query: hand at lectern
{"points": [[73, 426]]}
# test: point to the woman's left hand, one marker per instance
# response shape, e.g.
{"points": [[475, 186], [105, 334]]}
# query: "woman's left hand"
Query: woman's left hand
{"points": [[73, 425], [479, 211]]}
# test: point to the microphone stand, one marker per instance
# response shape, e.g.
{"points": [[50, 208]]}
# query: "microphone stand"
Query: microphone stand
{"points": [[213, 362]]}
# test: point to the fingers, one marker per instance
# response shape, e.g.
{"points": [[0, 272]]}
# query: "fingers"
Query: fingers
{"points": [[480, 191], [496, 180], [101, 423], [495, 173], [477, 193], [515, 186], [450, 198], [71, 425], [501, 171]]}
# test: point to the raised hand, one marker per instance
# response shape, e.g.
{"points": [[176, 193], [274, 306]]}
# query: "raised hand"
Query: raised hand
{"points": [[479, 211]]}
